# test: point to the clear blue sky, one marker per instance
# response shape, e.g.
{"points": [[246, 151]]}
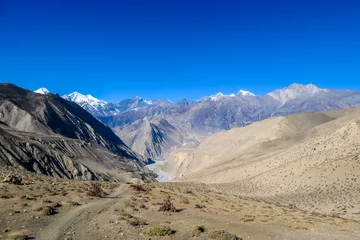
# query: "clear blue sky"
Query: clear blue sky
{"points": [[178, 48]]}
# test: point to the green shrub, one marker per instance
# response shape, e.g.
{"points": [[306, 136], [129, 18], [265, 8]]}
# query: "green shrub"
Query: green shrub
{"points": [[159, 231], [48, 211], [222, 235], [125, 214], [198, 230], [19, 237]]}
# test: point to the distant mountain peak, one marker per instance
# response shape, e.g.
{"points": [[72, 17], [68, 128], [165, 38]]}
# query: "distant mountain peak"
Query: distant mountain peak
{"points": [[245, 93], [83, 100], [42, 91], [220, 95], [294, 91]]}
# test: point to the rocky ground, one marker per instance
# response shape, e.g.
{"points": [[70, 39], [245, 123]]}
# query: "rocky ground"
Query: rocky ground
{"points": [[131, 211]]}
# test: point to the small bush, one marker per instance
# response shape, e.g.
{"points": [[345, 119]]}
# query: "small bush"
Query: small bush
{"points": [[13, 180], [19, 237], [74, 204], [222, 235], [48, 211], [185, 201], [137, 187], [27, 197], [197, 231], [5, 196], [135, 222], [125, 214], [94, 189], [55, 205], [188, 191], [159, 231], [200, 206], [167, 205]]}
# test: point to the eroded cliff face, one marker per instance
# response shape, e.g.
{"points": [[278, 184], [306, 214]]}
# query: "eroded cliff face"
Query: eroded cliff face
{"points": [[66, 158]]}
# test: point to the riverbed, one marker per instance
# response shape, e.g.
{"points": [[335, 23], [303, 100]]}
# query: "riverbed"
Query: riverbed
{"points": [[155, 167]]}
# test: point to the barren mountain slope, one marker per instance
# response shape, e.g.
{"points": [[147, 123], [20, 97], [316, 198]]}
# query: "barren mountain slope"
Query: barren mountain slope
{"points": [[64, 157], [154, 138], [311, 160]]}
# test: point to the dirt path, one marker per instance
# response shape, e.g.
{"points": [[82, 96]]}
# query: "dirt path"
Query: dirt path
{"points": [[64, 227]]}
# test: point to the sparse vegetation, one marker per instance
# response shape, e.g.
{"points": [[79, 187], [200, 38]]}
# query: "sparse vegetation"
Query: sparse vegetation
{"points": [[94, 189], [125, 214], [26, 197], [138, 187], [55, 205], [200, 206], [12, 179], [136, 222], [198, 230], [19, 237], [222, 235], [48, 211], [74, 204], [167, 205], [159, 231]]}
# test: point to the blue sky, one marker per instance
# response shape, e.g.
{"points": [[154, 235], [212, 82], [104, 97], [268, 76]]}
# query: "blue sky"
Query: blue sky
{"points": [[174, 49]]}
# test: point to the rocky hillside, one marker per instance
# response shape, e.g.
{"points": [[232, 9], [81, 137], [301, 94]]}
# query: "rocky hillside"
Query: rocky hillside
{"points": [[47, 134], [154, 138]]}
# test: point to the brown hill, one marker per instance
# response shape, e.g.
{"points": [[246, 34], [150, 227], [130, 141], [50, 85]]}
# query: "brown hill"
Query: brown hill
{"points": [[310, 160]]}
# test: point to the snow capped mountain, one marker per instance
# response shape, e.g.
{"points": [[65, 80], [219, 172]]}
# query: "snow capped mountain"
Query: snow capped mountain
{"points": [[245, 93], [217, 96], [42, 91], [294, 91], [85, 100], [220, 95], [275, 100]]}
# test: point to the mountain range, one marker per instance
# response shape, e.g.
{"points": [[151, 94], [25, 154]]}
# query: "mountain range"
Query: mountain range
{"points": [[157, 127], [47, 134]]}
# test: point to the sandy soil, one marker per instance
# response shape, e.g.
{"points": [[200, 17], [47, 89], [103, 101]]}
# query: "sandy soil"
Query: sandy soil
{"points": [[125, 213]]}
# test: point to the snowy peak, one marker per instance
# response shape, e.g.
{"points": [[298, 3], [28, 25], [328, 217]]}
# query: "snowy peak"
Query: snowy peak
{"points": [[220, 95], [84, 100], [245, 93], [294, 91], [217, 96], [42, 91]]}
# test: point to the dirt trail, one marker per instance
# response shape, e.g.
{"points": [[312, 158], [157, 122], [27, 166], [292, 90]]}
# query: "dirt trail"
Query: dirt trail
{"points": [[63, 227]]}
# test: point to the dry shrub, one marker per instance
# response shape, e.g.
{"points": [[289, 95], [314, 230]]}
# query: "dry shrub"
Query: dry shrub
{"points": [[94, 189], [137, 187], [167, 205], [159, 231], [200, 206], [19, 237], [222, 235]]}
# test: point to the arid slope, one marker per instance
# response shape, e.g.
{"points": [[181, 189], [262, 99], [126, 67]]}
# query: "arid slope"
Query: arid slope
{"points": [[310, 160]]}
